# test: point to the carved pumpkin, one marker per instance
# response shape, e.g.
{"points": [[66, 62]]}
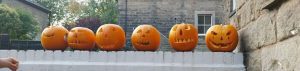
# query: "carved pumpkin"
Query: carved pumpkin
{"points": [[110, 37], [145, 38], [54, 38], [183, 37], [221, 38], [81, 38]]}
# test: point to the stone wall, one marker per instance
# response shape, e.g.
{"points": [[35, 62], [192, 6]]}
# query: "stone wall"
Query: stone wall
{"points": [[163, 14], [269, 32]]}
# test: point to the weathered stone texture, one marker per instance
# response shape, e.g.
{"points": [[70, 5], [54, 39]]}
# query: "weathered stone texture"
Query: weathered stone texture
{"points": [[163, 14], [283, 56], [288, 19], [269, 33], [260, 33]]}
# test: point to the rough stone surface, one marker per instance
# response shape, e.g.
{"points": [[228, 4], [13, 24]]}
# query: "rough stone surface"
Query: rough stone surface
{"points": [[283, 56], [163, 14], [260, 33], [288, 19], [253, 60], [269, 33]]}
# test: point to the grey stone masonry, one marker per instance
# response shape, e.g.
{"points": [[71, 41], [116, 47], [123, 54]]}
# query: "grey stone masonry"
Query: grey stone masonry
{"points": [[269, 34], [163, 14]]}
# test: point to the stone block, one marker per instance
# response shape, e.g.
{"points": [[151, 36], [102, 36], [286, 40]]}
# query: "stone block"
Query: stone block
{"points": [[260, 33]]}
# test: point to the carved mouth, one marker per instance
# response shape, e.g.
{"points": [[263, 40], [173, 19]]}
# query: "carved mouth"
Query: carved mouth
{"points": [[143, 42], [186, 40], [221, 45], [49, 35]]}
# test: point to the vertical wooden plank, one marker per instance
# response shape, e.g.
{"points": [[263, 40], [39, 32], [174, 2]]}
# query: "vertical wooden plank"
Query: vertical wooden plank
{"points": [[30, 55], [188, 58], [148, 57], [168, 57], [168, 60], [178, 58], [121, 57], [103, 56], [111, 56], [218, 57], [4, 53], [228, 58], [84, 56], [238, 58], [58, 55], [95, 57], [48, 56], [159, 57], [38, 56], [130, 56], [76, 55], [13, 53], [203, 58], [139, 56], [21, 55], [68, 55]]}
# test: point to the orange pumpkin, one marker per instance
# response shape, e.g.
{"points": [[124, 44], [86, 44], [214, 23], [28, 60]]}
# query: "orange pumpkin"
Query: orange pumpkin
{"points": [[145, 38], [221, 38], [110, 37], [183, 37], [54, 38], [81, 38]]}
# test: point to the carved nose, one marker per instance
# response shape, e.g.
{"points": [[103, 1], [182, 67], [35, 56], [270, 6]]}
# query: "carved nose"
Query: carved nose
{"points": [[143, 36], [221, 38], [180, 32]]}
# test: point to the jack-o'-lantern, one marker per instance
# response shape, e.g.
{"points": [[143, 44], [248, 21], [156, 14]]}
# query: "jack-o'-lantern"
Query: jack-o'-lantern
{"points": [[81, 38], [110, 37], [221, 38], [54, 38], [183, 37], [145, 38]]}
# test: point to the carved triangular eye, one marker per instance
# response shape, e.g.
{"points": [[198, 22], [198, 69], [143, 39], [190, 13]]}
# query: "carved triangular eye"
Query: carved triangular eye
{"points": [[214, 33], [139, 31], [113, 29], [101, 30], [148, 31], [187, 27], [228, 33]]}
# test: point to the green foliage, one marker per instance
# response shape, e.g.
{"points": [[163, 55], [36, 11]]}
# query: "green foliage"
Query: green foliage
{"points": [[57, 8], [71, 10], [106, 10], [18, 24]]}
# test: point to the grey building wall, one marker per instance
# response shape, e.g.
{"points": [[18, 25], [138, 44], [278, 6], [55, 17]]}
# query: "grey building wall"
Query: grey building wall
{"points": [[40, 16], [163, 14]]}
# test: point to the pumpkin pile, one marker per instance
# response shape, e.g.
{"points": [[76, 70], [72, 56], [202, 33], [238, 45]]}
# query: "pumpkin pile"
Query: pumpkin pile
{"points": [[111, 37]]}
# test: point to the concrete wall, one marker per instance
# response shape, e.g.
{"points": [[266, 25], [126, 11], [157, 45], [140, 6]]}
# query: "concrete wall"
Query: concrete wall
{"points": [[163, 14], [269, 33], [40, 16]]}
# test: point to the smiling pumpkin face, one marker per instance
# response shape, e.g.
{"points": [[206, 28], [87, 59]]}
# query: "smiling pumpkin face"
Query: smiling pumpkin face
{"points": [[81, 38], [145, 38], [221, 38], [54, 38], [183, 37], [110, 37]]}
